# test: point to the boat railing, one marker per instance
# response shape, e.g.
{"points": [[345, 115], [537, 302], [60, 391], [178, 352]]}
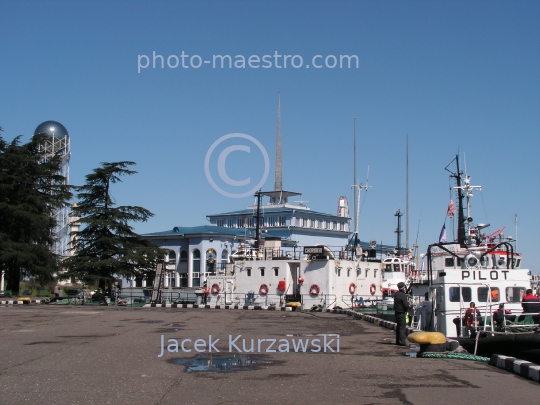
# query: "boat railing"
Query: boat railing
{"points": [[251, 298]]}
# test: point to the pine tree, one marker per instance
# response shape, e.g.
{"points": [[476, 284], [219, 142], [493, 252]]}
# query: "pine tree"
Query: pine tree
{"points": [[31, 190], [106, 247]]}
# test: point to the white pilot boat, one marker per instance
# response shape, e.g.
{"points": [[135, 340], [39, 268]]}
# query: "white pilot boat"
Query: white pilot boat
{"points": [[475, 268]]}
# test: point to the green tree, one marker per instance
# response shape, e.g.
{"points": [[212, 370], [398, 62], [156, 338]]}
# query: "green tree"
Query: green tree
{"points": [[31, 190], [106, 247]]}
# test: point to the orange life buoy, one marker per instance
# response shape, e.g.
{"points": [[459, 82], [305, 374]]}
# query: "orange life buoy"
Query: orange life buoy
{"points": [[314, 289], [352, 288], [215, 288], [263, 289], [372, 289]]}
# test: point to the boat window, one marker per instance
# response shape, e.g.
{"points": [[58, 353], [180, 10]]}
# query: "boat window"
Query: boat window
{"points": [[262, 271], [358, 272], [514, 294], [367, 272], [248, 271], [465, 294], [339, 271], [349, 272], [449, 262], [374, 273], [388, 268], [518, 263], [483, 294], [396, 267], [484, 261], [276, 271]]}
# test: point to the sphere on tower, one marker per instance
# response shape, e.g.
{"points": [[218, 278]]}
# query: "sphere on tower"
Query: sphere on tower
{"points": [[51, 128]]}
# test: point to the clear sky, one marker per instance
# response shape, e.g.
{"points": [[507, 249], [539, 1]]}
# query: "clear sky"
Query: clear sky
{"points": [[455, 76]]}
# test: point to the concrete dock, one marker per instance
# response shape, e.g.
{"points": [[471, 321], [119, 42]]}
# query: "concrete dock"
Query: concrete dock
{"points": [[109, 355]]}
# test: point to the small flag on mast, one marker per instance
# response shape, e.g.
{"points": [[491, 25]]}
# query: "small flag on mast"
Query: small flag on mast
{"points": [[442, 236], [451, 209]]}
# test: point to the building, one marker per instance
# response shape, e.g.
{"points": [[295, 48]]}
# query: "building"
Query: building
{"points": [[196, 252]]}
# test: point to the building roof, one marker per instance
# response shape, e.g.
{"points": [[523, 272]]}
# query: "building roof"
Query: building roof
{"points": [[203, 230], [271, 208]]}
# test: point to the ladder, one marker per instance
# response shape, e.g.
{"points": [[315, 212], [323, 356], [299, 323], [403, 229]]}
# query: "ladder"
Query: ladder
{"points": [[158, 281]]}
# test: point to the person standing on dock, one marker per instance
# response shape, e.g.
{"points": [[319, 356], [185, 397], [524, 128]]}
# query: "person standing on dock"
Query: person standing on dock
{"points": [[401, 306]]}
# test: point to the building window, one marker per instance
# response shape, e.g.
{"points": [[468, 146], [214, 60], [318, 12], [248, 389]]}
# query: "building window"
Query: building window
{"points": [[282, 220], [183, 256], [271, 221], [172, 257], [219, 222], [211, 260], [196, 260], [300, 221], [249, 222], [229, 222], [239, 222], [262, 271], [335, 225]]}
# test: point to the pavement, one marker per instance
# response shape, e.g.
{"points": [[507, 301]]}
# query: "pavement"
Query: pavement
{"points": [[110, 355]]}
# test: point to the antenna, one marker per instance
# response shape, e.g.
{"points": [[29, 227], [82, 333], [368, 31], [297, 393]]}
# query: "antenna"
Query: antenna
{"points": [[407, 200], [516, 232], [278, 184], [355, 182], [359, 188]]}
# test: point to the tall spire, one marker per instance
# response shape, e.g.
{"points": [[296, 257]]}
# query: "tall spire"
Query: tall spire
{"points": [[278, 185]]}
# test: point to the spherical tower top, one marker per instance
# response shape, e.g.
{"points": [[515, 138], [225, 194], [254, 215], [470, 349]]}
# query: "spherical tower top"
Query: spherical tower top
{"points": [[51, 128]]}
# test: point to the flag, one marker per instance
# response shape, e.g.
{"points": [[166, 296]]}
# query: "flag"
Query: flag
{"points": [[451, 209], [442, 236]]}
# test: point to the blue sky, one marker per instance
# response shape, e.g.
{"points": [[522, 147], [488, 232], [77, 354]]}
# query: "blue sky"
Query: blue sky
{"points": [[455, 76]]}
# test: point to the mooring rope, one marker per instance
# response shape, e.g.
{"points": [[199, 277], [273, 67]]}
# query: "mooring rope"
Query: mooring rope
{"points": [[456, 356]]}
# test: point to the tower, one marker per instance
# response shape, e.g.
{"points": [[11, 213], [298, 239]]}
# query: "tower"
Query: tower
{"points": [[58, 143]]}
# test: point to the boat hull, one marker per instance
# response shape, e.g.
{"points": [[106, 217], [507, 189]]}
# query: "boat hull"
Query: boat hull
{"points": [[525, 346]]}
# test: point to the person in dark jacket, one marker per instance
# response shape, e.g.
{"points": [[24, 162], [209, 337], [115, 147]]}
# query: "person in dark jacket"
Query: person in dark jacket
{"points": [[472, 319], [401, 306], [499, 316], [530, 305]]}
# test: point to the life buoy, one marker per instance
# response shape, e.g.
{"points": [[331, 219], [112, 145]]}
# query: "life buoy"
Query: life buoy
{"points": [[215, 288], [352, 288], [263, 289], [314, 289], [372, 289]]}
